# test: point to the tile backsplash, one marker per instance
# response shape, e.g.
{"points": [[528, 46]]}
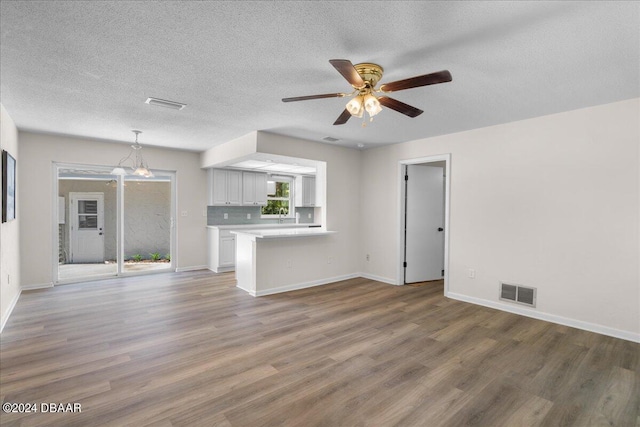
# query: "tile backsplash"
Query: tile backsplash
{"points": [[238, 215]]}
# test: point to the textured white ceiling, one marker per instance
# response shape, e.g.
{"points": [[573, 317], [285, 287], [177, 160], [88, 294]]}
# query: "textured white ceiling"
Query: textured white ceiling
{"points": [[86, 68]]}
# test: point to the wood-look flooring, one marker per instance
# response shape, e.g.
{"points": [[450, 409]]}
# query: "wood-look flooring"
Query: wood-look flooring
{"points": [[190, 349]]}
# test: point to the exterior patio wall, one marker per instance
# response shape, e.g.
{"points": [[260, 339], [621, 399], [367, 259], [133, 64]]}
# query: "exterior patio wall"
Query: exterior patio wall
{"points": [[147, 218]]}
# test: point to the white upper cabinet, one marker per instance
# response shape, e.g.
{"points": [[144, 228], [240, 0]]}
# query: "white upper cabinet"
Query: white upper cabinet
{"points": [[305, 191], [234, 188], [225, 187], [261, 189], [254, 188]]}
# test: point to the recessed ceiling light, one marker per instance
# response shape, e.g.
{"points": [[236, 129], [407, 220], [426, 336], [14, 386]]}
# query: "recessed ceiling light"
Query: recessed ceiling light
{"points": [[330, 139], [360, 145], [164, 103]]}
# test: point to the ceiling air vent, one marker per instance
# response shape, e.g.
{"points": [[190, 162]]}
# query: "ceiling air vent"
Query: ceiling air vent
{"points": [[518, 294], [330, 139], [166, 104]]}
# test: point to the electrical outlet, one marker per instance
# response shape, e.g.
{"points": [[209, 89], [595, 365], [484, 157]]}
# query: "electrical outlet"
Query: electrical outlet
{"points": [[184, 213], [226, 216], [471, 273], [329, 260], [309, 216], [248, 216], [367, 257]]}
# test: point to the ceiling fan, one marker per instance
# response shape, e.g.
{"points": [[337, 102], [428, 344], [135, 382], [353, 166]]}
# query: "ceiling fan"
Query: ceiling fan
{"points": [[364, 78]]}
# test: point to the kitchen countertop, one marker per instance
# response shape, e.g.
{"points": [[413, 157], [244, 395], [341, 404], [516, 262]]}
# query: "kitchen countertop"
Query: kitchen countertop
{"points": [[261, 226], [284, 233]]}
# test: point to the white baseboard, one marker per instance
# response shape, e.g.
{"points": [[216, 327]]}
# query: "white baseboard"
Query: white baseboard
{"points": [[249, 291], [378, 278], [36, 286], [304, 285], [523, 311], [5, 318], [222, 269], [191, 268]]}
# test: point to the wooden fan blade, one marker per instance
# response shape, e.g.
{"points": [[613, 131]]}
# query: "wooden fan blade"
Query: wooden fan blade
{"points": [[348, 71], [306, 98], [343, 118], [425, 80], [400, 107]]}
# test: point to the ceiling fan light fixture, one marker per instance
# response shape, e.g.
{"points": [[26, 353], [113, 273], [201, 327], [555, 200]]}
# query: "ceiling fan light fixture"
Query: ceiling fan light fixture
{"points": [[372, 105], [355, 106], [363, 78]]}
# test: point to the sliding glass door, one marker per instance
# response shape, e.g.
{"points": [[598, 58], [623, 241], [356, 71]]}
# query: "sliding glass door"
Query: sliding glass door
{"points": [[109, 225]]}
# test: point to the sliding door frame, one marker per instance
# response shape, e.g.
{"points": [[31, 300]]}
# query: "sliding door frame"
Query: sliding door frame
{"points": [[120, 272]]}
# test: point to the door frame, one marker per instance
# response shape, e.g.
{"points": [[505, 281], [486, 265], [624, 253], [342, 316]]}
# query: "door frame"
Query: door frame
{"points": [[401, 212], [73, 209]]}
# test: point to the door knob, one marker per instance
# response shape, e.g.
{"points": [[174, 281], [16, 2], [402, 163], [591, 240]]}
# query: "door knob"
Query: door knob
{"points": [[440, 229]]}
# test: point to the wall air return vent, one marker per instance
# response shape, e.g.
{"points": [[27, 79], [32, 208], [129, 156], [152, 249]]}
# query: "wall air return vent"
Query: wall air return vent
{"points": [[166, 104], [518, 294]]}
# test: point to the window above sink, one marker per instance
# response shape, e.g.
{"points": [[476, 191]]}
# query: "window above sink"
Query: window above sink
{"points": [[279, 197]]}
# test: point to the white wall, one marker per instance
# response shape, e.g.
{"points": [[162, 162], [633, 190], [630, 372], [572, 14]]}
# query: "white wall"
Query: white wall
{"points": [[39, 151], [343, 212], [550, 202], [235, 149], [9, 237]]}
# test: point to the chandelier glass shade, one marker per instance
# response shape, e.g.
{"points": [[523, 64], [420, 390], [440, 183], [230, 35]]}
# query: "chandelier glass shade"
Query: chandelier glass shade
{"points": [[138, 166]]}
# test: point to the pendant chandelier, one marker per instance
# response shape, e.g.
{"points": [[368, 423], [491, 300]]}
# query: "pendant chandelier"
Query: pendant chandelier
{"points": [[138, 166]]}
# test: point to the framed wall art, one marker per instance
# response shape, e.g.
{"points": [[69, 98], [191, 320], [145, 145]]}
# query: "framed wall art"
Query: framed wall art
{"points": [[8, 187]]}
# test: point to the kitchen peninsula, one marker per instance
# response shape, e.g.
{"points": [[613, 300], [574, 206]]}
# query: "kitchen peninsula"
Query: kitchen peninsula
{"points": [[272, 260]]}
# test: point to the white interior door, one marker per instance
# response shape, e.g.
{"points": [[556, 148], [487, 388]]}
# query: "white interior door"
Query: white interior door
{"points": [[424, 241], [87, 227]]}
